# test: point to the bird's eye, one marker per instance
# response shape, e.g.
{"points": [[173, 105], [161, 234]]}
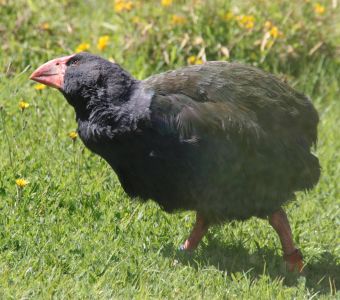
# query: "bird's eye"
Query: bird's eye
{"points": [[73, 62]]}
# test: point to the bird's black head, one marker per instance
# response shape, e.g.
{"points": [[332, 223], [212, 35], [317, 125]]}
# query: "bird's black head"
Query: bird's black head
{"points": [[86, 80]]}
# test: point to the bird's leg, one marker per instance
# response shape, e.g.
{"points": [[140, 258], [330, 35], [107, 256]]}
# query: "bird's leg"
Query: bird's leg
{"points": [[292, 255], [200, 228]]}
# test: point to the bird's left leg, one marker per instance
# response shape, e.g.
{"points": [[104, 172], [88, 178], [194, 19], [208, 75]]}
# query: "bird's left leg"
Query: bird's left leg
{"points": [[292, 255], [200, 229]]}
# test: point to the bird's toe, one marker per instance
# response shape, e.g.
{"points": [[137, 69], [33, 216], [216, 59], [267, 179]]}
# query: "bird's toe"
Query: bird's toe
{"points": [[294, 261], [182, 248]]}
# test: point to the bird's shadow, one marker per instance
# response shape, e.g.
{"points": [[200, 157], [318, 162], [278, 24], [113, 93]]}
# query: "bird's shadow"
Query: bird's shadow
{"points": [[320, 277]]}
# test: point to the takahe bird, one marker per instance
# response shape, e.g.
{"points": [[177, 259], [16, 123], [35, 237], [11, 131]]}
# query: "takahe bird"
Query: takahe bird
{"points": [[226, 140]]}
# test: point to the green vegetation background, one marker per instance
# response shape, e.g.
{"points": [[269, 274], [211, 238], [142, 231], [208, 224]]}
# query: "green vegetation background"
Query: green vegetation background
{"points": [[71, 232]]}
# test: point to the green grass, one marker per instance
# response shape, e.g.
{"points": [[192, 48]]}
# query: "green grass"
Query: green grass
{"points": [[73, 233]]}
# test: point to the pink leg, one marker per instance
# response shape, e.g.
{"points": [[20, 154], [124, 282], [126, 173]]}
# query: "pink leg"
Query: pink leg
{"points": [[292, 255], [200, 228]]}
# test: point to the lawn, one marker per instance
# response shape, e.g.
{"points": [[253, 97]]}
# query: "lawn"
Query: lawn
{"points": [[70, 231]]}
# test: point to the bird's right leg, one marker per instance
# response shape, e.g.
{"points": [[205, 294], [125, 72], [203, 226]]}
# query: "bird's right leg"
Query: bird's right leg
{"points": [[292, 255], [200, 229]]}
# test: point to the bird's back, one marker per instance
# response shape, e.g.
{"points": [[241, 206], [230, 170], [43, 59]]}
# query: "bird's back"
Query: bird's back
{"points": [[248, 93]]}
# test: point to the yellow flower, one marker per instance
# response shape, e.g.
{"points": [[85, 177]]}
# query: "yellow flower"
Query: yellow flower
{"points": [[166, 2], [199, 61], [268, 25], [178, 20], [246, 21], [191, 59], [228, 16], [44, 26], [23, 105], [319, 9], [274, 32], [73, 135], [194, 60], [39, 87], [83, 47], [103, 42], [122, 5], [21, 182]]}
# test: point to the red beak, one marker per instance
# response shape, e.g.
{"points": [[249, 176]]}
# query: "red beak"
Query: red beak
{"points": [[52, 73]]}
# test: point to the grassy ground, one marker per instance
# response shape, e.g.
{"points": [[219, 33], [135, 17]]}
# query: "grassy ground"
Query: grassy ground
{"points": [[71, 232]]}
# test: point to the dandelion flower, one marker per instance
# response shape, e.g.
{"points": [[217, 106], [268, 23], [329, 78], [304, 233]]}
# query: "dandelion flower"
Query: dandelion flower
{"points": [[246, 21], [274, 32], [44, 26], [23, 105], [122, 5], [166, 3], [39, 87], [83, 47], [268, 25], [194, 60], [178, 20], [319, 9], [21, 182], [103, 42], [73, 135], [191, 59], [199, 61]]}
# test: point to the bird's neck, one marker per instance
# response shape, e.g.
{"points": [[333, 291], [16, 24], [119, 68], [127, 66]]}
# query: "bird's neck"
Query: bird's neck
{"points": [[104, 102], [107, 120]]}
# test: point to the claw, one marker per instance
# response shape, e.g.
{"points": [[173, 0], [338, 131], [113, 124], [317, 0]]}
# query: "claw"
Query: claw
{"points": [[294, 261]]}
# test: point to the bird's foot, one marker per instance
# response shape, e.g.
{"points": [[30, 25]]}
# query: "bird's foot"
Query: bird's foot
{"points": [[200, 228], [294, 261], [188, 246]]}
